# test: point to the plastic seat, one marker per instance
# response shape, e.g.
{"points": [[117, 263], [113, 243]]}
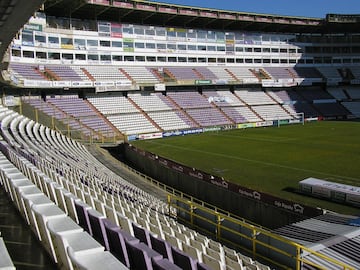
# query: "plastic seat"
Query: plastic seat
{"points": [[100, 260]]}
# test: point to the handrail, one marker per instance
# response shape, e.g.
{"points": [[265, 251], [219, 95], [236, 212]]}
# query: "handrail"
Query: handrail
{"points": [[256, 241]]}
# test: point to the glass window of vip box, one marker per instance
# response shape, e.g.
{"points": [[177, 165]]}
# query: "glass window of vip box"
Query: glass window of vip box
{"points": [[28, 54], [41, 55], [80, 56], [66, 41], [116, 44], [79, 43], [16, 52], [40, 39], [27, 38], [54, 55], [104, 43], [53, 40]]}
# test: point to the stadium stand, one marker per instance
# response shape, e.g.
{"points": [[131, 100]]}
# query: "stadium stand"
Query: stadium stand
{"points": [[108, 80], [56, 156]]}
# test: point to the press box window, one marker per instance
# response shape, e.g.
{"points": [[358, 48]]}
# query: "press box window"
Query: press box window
{"points": [[104, 43], [41, 55], [81, 57], [54, 56], [28, 54], [67, 56]]}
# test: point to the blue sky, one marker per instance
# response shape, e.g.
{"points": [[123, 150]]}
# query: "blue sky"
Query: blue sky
{"points": [[303, 8]]}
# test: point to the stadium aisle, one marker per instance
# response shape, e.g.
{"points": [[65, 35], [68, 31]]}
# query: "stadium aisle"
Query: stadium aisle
{"points": [[22, 245]]}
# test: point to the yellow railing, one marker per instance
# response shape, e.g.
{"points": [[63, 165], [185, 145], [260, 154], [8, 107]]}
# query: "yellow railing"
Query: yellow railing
{"points": [[260, 243]]}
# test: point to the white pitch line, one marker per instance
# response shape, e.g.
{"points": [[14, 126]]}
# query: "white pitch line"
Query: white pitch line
{"points": [[259, 162]]}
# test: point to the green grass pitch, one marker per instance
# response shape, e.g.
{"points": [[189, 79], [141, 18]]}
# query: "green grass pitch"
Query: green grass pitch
{"points": [[273, 159]]}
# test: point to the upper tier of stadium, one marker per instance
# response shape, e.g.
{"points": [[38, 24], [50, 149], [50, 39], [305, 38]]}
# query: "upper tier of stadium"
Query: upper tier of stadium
{"points": [[103, 45]]}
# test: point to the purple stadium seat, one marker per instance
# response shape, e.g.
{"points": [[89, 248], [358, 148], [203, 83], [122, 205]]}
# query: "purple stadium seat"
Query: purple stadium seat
{"points": [[116, 239], [202, 266], [183, 260], [164, 264], [161, 246], [98, 227], [141, 255], [83, 216], [142, 234]]}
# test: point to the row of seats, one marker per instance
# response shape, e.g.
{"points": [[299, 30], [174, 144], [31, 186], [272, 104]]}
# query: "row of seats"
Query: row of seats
{"points": [[63, 239], [145, 75], [75, 178]]}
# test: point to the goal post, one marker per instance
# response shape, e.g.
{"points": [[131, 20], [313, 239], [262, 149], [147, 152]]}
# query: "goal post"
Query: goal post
{"points": [[301, 117]]}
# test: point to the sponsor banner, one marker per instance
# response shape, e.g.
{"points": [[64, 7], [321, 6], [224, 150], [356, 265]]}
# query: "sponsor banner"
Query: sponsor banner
{"points": [[33, 27], [82, 84], [28, 43], [193, 131], [104, 83], [227, 16], [16, 46], [173, 133], [250, 80], [145, 7], [123, 83], [188, 12], [203, 82], [122, 4], [246, 125], [196, 174], [159, 87], [167, 10], [34, 83], [164, 162], [150, 136], [264, 124], [132, 137], [221, 81], [220, 182], [104, 2], [209, 129], [271, 83], [311, 119], [208, 14], [294, 121], [61, 83]]}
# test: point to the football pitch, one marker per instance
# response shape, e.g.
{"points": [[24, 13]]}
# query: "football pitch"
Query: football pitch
{"points": [[273, 159]]}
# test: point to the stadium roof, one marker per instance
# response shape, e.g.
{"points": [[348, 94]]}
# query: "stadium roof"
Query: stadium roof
{"points": [[153, 13], [13, 15]]}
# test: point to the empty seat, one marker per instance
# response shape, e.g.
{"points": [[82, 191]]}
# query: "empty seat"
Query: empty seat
{"points": [[44, 213], [83, 216], [98, 228], [100, 260], [183, 260], [214, 264], [141, 255], [164, 264], [116, 239], [142, 234], [161, 246], [80, 242]]}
